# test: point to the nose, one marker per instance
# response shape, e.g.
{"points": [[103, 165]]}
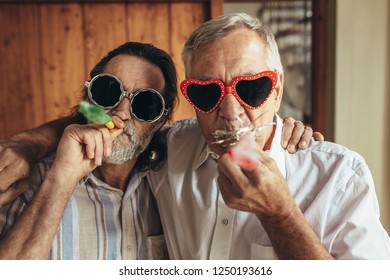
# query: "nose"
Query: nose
{"points": [[230, 108], [122, 110]]}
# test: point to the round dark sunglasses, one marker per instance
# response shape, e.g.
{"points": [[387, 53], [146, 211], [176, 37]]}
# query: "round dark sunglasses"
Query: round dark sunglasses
{"points": [[251, 91], [106, 91]]}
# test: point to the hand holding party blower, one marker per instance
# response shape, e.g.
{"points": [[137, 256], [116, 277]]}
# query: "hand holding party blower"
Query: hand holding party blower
{"points": [[95, 114], [246, 152]]}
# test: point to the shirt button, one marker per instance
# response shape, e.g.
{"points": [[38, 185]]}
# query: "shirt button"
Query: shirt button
{"points": [[225, 221]]}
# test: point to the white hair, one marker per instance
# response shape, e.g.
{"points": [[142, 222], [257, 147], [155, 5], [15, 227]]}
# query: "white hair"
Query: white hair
{"points": [[219, 27]]}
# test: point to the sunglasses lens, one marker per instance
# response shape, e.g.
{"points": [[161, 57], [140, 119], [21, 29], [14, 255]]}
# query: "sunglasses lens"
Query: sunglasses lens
{"points": [[147, 105], [254, 92], [204, 96], [105, 91]]}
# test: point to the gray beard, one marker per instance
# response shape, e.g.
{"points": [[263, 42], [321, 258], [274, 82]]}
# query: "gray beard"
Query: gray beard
{"points": [[128, 145]]}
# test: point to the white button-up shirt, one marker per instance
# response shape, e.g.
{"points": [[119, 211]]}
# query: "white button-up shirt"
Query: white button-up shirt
{"points": [[332, 185]]}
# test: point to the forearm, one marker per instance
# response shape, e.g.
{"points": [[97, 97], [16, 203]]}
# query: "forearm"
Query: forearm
{"points": [[293, 238], [40, 141], [32, 235]]}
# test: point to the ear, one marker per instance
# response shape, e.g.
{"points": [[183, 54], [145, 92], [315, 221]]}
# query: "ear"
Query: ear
{"points": [[278, 92]]}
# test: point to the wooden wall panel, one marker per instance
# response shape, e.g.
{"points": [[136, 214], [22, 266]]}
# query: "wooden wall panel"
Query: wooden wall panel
{"points": [[62, 56], [185, 17], [3, 94], [4, 35], [149, 23], [48, 48], [7, 34], [21, 88], [216, 8], [105, 29]]}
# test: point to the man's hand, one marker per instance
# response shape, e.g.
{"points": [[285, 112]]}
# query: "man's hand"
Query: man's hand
{"points": [[295, 135], [15, 163], [19, 153], [82, 148], [260, 189]]}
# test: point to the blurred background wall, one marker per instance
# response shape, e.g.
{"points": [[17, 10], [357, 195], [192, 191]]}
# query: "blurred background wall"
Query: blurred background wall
{"points": [[363, 86]]}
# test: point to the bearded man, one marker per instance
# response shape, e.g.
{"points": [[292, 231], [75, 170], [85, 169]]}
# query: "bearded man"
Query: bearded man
{"points": [[82, 206]]}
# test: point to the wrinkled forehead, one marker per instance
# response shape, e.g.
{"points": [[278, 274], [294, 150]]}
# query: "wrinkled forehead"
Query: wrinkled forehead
{"points": [[239, 53], [135, 73]]}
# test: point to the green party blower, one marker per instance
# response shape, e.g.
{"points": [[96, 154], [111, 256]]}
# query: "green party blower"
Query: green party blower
{"points": [[95, 114]]}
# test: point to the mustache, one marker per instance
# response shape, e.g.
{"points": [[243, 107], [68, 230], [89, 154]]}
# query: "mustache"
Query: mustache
{"points": [[128, 129]]}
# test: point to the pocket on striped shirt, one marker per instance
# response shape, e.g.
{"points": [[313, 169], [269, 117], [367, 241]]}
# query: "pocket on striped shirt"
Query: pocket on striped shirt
{"points": [[157, 248]]}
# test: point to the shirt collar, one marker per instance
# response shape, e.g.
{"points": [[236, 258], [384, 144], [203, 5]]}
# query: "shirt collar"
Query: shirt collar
{"points": [[134, 181], [204, 155], [277, 152], [94, 181]]}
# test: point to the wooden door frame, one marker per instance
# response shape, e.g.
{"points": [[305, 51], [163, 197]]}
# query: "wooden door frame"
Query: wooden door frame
{"points": [[323, 60], [322, 76]]}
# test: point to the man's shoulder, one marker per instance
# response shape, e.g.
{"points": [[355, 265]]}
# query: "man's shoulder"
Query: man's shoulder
{"points": [[185, 130], [185, 143], [184, 126], [328, 168], [179, 127], [333, 152]]}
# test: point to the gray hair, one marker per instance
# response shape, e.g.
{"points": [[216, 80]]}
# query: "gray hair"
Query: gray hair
{"points": [[219, 27]]}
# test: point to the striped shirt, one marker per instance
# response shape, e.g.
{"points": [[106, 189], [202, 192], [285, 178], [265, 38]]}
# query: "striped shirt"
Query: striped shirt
{"points": [[99, 222]]}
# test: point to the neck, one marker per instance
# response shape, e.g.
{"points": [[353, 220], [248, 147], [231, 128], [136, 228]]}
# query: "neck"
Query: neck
{"points": [[115, 175], [268, 142]]}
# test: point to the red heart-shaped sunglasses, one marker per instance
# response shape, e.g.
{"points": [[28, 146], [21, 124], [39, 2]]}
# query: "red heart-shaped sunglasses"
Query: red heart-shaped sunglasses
{"points": [[251, 91]]}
